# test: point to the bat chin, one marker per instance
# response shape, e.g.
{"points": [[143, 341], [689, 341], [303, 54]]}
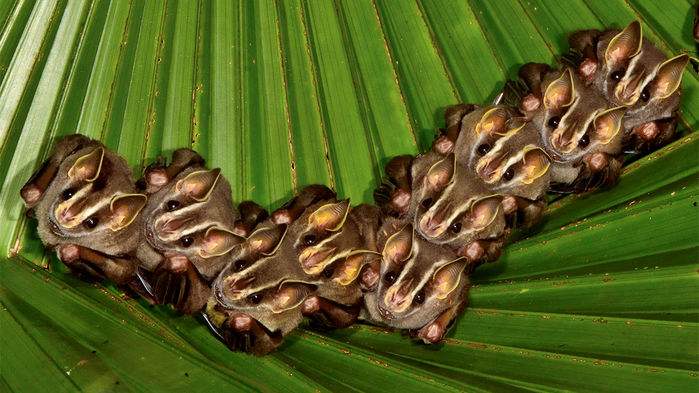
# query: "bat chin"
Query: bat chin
{"points": [[55, 228], [385, 314]]}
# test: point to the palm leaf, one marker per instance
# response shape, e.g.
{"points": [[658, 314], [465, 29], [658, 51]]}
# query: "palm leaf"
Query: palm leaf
{"points": [[280, 94]]}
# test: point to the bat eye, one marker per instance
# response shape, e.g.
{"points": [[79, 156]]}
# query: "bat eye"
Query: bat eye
{"points": [[328, 271], [310, 240], [187, 241], [419, 298], [455, 227], [617, 75], [645, 94], [67, 193], [554, 121], [483, 149], [172, 205], [390, 277], [90, 222], [509, 174], [584, 141], [426, 203], [255, 298], [239, 265]]}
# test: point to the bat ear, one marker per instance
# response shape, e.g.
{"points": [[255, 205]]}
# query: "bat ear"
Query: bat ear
{"points": [[493, 121], [289, 296], [266, 240], [669, 76], [534, 164], [560, 93], [124, 209], [399, 246], [330, 217], [448, 278], [624, 45], [349, 269], [608, 124], [87, 168], [440, 174], [218, 241], [198, 185], [484, 212]]}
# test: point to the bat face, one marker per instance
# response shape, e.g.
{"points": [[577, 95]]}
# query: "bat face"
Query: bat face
{"points": [[578, 129], [193, 216], [257, 322], [90, 201], [630, 71], [269, 290], [419, 280], [458, 199], [318, 255]]}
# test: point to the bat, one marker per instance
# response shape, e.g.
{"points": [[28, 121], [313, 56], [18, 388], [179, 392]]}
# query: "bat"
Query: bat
{"points": [[87, 208]]}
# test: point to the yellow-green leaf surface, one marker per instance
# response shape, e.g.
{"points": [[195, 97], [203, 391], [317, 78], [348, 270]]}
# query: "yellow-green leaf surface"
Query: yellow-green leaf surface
{"points": [[603, 296]]}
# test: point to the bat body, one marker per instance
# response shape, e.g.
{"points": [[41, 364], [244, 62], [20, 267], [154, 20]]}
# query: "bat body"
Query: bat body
{"points": [[630, 71], [308, 261], [421, 287], [190, 226], [580, 130], [87, 208]]}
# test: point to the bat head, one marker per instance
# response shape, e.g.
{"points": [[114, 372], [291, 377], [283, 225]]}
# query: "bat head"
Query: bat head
{"points": [[457, 197], [418, 279], [581, 134], [630, 71], [193, 215], [91, 200]]}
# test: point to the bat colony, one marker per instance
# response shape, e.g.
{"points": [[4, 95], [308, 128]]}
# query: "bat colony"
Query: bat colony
{"points": [[175, 236]]}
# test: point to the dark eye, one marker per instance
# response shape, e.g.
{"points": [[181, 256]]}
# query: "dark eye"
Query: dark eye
{"points": [[172, 205], [90, 222], [390, 277], [419, 298], [584, 141], [310, 240], [455, 227], [67, 193], [483, 149], [328, 271], [239, 265], [255, 298], [187, 241], [617, 75], [645, 94], [554, 121], [426, 203], [509, 173]]}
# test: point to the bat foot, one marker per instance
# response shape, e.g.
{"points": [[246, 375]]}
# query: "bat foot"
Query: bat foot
{"points": [[242, 333], [443, 145], [31, 194], [68, 253], [432, 333], [327, 314]]}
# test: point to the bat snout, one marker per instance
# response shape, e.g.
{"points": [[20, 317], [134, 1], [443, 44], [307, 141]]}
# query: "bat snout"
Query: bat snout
{"points": [[433, 225], [236, 288], [397, 297]]}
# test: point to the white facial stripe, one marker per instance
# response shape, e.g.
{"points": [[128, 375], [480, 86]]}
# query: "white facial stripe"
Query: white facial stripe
{"points": [[496, 149], [580, 131], [95, 208], [425, 277], [411, 261], [502, 141], [89, 210]]}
